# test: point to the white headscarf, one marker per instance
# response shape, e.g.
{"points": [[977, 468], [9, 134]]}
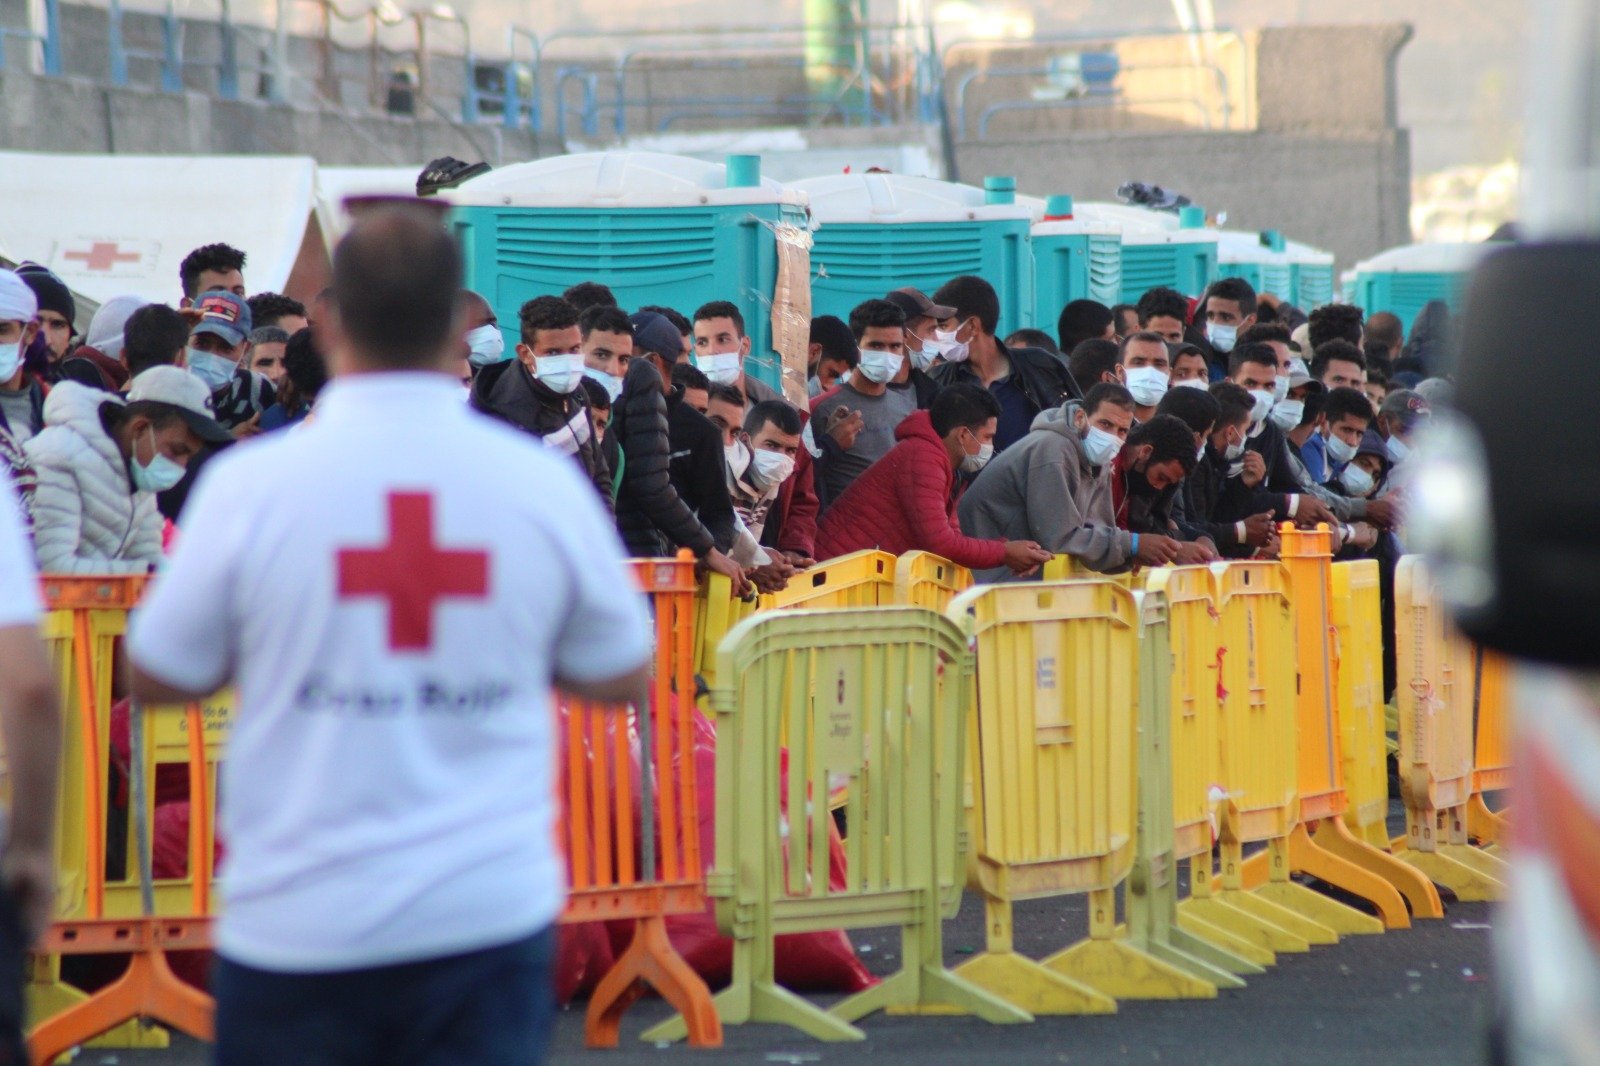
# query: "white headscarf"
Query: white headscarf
{"points": [[17, 301], [105, 329]]}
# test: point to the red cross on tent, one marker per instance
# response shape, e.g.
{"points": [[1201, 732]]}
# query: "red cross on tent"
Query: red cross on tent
{"points": [[411, 572], [102, 256]]}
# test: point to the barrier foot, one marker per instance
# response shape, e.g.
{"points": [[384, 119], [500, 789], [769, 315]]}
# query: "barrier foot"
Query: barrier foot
{"points": [[1334, 838], [1254, 871], [1483, 824], [1265, 910], [1122, 971], [1468, 884], [1249, 958], [932, 989], [1242, 924], [1189, 952], [1375, 835], [1026, 985], [1341, 918], [149, 989], [47, 995], [650, 962], [1306, 855], [1491, 866], [763, 1002]]}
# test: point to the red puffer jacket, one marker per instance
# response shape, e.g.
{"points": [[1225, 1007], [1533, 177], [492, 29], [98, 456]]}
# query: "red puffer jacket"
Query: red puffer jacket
{"points": [[902, 503]]}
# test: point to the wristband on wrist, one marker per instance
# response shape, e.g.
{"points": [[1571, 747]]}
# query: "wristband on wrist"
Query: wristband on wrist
{"points": [[1135, 537]]}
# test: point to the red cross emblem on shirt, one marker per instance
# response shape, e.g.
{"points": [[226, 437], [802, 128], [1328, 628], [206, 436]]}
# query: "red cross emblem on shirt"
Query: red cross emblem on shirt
{"points": [[411, 572], [103, 255]]}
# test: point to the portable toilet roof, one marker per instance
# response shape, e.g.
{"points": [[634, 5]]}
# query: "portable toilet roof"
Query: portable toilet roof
{"points": [[1313, 275], [1404, 279], [1074, 258], [874, 233], [121, 224], [1158, 248], [1257, 257], [657, 229]]}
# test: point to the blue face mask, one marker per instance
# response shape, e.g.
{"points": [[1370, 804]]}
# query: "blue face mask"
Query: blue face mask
{"points": [[215, 370], [10, 359], [159, 474]]}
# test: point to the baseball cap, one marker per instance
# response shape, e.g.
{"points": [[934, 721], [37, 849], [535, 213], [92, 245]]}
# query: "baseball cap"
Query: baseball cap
{"points": [[182, 390], [17, 301], [1405, 405], [654, 334], [224, 314], [915, 303], [1300, 375]]}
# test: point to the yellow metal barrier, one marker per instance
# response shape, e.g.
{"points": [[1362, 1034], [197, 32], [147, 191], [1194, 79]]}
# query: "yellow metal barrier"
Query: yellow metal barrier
{"points": [[1434, 689], [1356, 613], [1055, 780], [861, 579], [860, 694], [1491, 757], [716, 611], [923, 579]]}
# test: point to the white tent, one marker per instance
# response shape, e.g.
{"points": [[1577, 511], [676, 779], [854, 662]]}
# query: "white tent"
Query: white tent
{"points": [[336, 183], [122, 224]]}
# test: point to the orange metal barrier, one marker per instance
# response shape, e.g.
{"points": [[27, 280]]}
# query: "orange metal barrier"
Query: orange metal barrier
{"points": [[1491, 761]]}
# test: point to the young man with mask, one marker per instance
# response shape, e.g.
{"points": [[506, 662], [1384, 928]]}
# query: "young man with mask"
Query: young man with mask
{"points": [[721, 347], [760, 461], [832, 354], [904, 502], [1215, 500], [922, 348], [21, 399], [217, 346], [1145, 367], [1024, 381], [538, 390], [1190, 368], [607, 347], [1165, 312], [865, 402], [1227, 310], [101, 460], [485, 344], [1145, 478], [1254, 367], [1053, 486], [1400, 415]]}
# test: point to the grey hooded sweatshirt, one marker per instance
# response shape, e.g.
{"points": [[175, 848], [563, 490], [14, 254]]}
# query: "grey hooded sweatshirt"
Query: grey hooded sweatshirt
{"points": [[1042, 488]]}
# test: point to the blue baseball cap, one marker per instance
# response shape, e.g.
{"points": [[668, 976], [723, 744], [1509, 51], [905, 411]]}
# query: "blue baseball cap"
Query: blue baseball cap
{"points": [[223, 313]]}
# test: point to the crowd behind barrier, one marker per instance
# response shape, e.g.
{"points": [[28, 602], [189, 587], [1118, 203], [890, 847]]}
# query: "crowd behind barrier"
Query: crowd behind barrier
{"points": [[1077, 735]]}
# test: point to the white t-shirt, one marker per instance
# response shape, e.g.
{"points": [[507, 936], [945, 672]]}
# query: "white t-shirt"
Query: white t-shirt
{"points": [[20, 601], [392, 589]]}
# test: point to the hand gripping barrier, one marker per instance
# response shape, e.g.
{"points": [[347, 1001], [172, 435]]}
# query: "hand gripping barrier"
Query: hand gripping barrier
{"points": [[1056, 680], [716, 611], [861, 579], [1434, 675], [877, 695], [923, 579], [139, 917], [1491, 760], [602, 821]]}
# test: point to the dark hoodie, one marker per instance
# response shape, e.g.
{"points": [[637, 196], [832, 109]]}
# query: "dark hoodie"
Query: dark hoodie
{"points": [[652, 518], [509, 392]]}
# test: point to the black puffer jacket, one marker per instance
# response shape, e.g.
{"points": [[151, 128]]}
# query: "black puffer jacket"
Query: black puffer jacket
{"points": [[510, 393], [698, 469], [652, 518], [1042, 377]]}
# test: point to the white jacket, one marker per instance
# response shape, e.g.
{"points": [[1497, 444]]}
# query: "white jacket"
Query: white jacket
{"points": [[87, 518]]}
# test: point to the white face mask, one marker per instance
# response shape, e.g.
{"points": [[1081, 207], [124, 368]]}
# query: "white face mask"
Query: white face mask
{"points": [[560, 372], [1339, 450], [1222, 337], [879, 367], [1200, 453], [1356, 481], [1286, 414], [1398, 450], [738, 457], [1192, 383], [723, 368], [215, 370], [610, 382], [159, 474], [10, 359], [971, 464], [922, 359], [1100, 446], [1280, 388], [1264, 403], [1233, 452], [486, 345], [945, 346], [1147, 383], [772, 467]]}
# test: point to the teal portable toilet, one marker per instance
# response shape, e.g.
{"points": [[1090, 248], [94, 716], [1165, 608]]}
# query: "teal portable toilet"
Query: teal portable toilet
{"points": [[658, 229], [874, 233], [1404, 279], [1257, 258], [1313, 275], [1159, 247], [1072, 259]]}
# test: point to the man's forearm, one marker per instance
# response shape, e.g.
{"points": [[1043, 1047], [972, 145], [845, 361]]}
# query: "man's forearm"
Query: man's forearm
{"points": [[30, 719]]}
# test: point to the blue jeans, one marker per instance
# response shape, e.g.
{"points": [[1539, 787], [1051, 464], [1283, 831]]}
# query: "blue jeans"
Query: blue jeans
{"points": [[495, 1006]]}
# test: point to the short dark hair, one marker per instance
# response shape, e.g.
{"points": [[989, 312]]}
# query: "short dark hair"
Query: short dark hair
{"points": [[1141, 336], [269, 308], [1107, 392], [972, 297], [1234, 404], [1266, 333], [1259, 354], [1386, 329], [1334, 322], [727, 393], [1033, 338], [1345, 401], [596, 394], [545, 312], [304, 365], [1082, 320], [161, 415], [1196, 408], [1118, 310], [1238, 290], [689, 376], [1091, 359], [269, 335], [838, 343], [1340, 350], [721, 309], [397, 283], [873, 313], [961, 405], [607, 318], [154, 335], [779, 413], [1162, 302], [587, 294], [1169, 438], [217, 258], [679, 323], [1315, 402]]}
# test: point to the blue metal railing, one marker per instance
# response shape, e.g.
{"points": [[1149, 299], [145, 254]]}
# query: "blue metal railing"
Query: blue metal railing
{"points": [[48, 39]]}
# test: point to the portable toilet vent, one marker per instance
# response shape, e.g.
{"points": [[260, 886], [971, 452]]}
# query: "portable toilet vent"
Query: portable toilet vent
{"points": [[1073, 259], [1313, 275], [1403, 280], [879, 232], [1258, 258], [1159, 247], [657, 229]]}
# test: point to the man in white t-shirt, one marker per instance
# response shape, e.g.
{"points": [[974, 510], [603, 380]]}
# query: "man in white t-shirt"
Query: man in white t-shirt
{"points": [[389, 800], [31, 725]]}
